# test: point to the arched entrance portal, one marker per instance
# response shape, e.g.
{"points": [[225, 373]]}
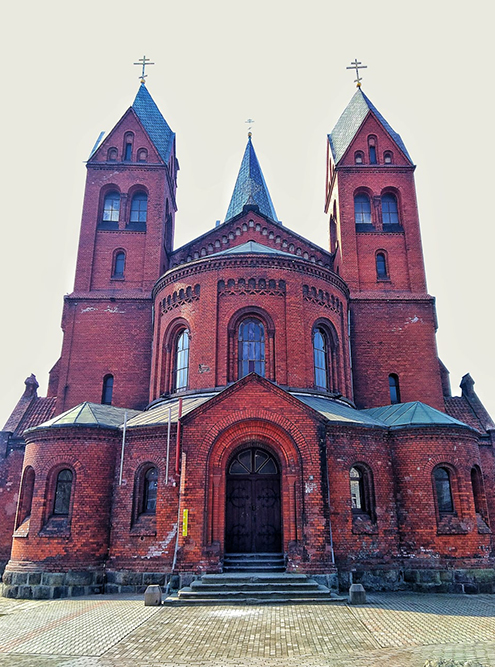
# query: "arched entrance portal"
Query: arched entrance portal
{"points": [[252, 515]]}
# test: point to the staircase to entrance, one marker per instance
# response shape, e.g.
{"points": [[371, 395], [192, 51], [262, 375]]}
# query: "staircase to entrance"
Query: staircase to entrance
{"points": [[254, 579]]}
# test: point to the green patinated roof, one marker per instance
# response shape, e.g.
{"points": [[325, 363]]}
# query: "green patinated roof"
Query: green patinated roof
{"points": [[90, 414], [250, 187], [336, 411], [401, 415], [158, 414], [251, 247], [351, 120]]}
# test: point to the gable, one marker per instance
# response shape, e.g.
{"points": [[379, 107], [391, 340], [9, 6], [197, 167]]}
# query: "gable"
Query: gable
{"points": [[115, 139], [371, 127], [252, 226]]}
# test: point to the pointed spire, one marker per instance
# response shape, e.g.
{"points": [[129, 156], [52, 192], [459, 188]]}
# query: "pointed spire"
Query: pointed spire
{"points": [[351, 120], [154, 123], [250, 187]]}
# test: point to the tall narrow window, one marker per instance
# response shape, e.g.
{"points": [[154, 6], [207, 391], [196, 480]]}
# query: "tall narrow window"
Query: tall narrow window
{"points": [[63, 491], [251, 347], [393, 383], [26, 497], [139, 207], [381, 265], [443, 491], [390, 212], [362, 210], [150, 490], [372, 149], [107, 391], [320, 353], [182, 360], [111, 207], [362, 496], [477, 486], [119, 265]]}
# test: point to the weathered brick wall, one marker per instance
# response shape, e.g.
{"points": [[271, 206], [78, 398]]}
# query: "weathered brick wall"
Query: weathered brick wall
{"points": [[83, 541], [424, 534]]}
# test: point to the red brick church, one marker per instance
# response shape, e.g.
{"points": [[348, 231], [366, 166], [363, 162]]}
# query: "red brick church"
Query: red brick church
{"points": [[249, 395]]}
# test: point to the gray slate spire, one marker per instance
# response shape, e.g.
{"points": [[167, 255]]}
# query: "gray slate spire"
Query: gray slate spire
{"points": [[250, 187]]}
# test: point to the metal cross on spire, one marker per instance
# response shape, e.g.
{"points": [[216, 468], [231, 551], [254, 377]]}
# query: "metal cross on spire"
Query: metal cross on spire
{"points": [[250, 121], [143, 61], [357, 66]]}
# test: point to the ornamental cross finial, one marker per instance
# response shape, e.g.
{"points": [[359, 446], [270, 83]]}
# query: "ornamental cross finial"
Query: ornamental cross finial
{"points": [[357, 66], [143, 61], [250, 121]]}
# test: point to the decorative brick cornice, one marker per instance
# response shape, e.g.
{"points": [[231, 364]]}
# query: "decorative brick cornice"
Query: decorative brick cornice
{"points": [[223, 263]]}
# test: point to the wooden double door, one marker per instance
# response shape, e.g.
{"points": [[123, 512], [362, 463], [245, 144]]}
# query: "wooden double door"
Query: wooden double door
{"points": [[253, 512]]}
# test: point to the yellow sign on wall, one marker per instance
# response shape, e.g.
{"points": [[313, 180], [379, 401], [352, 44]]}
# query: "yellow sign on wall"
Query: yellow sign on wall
{"points": [[185, 517]]}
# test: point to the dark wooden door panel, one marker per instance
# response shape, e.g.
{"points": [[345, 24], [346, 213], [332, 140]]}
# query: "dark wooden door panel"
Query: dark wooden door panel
{"points": [[253, 516]]}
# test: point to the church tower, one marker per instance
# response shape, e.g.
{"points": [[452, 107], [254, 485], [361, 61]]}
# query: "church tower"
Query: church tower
{"points": [[126, 239], [375, 235]]}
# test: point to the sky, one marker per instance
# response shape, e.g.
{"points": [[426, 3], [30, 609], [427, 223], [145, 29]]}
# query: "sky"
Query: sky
{"points": [[68, 74]]}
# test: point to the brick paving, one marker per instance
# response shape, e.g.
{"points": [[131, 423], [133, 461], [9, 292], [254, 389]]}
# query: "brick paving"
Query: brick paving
{"points": [[393, 630]]}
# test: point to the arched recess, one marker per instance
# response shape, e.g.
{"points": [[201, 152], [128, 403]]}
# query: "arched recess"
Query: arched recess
{"points": [[332, 356], [233, 331], [278, 443], [170, 337]]}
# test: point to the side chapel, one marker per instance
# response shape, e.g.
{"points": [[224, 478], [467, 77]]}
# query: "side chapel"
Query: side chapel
{"points": [[249, 392]]}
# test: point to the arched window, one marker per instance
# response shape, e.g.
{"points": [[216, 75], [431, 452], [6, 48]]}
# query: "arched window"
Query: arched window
{"points": [[107, 391], [112, 154], [478, 495], [388, 157], [362, 210], [362, 496], [128, 139], [372, 150], [443, 491], [63, 489], [358, 157], [139, 207], [142, 155], [111, 207], [390, 212], [181, 369], [393, 384], [381, 265], [251, 347], [150, 487], [320, 353], [26, 496], [119, 264]]}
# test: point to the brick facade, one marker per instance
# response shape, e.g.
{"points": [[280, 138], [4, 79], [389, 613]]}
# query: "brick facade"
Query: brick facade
{"points": [[385, 495]]}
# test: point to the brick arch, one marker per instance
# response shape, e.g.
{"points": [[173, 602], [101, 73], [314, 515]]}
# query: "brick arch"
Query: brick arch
{"points": [[223, 443]]}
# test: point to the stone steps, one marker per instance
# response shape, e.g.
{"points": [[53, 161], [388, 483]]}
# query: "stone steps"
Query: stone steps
{"points": [[260, 562], [253, 588]]}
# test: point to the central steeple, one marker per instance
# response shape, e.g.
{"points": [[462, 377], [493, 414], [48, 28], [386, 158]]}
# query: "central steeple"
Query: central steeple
{"points": [[250, 187]]}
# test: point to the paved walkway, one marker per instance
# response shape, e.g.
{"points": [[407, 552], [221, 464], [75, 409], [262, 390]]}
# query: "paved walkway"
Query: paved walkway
{"points": [[393, 630]]}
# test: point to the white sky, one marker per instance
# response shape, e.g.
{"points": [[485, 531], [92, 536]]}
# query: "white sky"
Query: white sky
{"points": [[67, 74]]}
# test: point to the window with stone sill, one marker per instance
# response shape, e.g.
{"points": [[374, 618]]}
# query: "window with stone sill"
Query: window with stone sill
{"points": [[25, 503], [362, 499], [145, 495]]}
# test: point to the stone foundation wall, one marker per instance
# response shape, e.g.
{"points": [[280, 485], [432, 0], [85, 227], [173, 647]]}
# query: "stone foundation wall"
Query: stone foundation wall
{"points": [[422, 581], [51, 585]]}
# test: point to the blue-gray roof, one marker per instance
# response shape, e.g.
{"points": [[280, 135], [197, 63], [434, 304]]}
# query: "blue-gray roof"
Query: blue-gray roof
{"points": [[250, 187], [415, 413], [338, 412], [351, 120], [154, 123], [251, 247]]}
